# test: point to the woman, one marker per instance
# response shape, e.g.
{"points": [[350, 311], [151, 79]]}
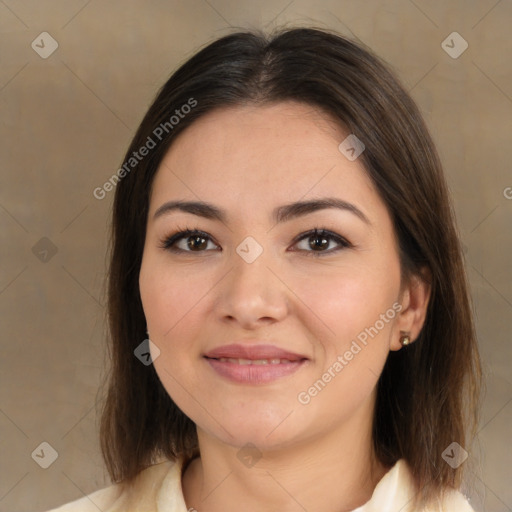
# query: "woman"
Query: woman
{"points": [[282, 233]]}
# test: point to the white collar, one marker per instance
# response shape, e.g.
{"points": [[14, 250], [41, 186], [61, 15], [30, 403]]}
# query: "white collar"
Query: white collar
{"points": [[393, 492]]}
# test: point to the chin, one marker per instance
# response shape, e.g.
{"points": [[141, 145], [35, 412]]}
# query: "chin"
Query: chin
{"points": [[266, 430]]}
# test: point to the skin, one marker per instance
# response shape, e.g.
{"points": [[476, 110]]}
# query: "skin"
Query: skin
{"points": [[248, 160]]}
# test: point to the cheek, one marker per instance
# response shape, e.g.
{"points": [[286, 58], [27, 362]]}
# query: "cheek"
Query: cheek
{"points": [[169, 297], [357, 317], [349, 300], [173, 301]]}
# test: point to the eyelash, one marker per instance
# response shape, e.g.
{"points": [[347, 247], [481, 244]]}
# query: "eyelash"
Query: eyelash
{"points": [[168, 242]]}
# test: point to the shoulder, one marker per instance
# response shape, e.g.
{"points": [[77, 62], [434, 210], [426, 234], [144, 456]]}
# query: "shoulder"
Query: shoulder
{"points": [[101, 499], [142, 495], [453, 500], [397, 490]]}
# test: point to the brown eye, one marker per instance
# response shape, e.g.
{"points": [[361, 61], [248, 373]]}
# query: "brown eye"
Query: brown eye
{"points": [[320, 242], [197, 243], [189, 240]]}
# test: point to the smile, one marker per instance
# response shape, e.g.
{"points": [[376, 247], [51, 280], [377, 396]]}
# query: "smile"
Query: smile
{"points": [[254, 371], [255, 361]]}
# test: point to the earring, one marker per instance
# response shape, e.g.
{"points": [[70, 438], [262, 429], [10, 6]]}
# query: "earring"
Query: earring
{"points": [[405, 340]]}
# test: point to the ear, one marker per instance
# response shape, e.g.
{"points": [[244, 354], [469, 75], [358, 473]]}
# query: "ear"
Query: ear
{"points": [[414, 300]]}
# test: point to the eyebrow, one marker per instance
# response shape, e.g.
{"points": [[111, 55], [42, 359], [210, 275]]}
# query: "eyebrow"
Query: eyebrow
{"points": [[280, 214]]}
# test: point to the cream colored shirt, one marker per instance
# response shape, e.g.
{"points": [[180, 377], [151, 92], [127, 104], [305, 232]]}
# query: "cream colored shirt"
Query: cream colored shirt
{"points": [[158, 489]]}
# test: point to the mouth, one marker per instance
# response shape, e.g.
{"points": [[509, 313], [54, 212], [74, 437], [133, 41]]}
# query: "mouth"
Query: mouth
{"points": [[253, 364], [254, 361]]}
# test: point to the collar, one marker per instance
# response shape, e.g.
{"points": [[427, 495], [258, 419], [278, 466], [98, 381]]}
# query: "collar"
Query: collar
{"points": [[394, 491]]}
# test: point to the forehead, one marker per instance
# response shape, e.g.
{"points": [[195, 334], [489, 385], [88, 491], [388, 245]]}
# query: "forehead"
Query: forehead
{"points": [[248, 156]]}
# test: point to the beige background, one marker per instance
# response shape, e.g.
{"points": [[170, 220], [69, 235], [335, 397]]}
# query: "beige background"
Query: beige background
{"points": [[65, 124]]}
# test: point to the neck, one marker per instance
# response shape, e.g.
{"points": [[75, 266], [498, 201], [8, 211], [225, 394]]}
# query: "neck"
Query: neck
{"points": [[334, 472]]}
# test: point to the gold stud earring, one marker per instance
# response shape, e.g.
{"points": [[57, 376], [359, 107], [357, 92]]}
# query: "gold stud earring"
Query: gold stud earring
{"points": [[405, 340]]}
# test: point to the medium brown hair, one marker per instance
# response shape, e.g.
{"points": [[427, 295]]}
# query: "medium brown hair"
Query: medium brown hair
{"points": [[428, 391]]}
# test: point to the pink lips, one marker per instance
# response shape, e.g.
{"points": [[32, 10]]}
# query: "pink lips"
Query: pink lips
{"points": [[279, 362]]}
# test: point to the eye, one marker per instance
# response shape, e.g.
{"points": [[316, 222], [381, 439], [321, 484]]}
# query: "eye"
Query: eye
{"points": [[316, 242], [320, 241], [188, 240]]}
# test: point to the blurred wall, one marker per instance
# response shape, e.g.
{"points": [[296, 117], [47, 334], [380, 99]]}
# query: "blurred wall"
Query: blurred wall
{"points": [[76, 77]]}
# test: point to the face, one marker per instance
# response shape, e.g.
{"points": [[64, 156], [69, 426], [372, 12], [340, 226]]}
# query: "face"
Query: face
{"points": [[268, 331]]}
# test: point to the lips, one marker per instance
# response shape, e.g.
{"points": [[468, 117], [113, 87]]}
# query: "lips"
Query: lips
{"points": [[254, 364], [253, 353]]}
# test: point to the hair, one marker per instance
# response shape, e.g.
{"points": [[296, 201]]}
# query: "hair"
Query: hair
{"points": [[428, 392]]}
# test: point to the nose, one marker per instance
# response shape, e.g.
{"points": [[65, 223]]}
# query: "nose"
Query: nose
{"points": [[252, 295]]}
